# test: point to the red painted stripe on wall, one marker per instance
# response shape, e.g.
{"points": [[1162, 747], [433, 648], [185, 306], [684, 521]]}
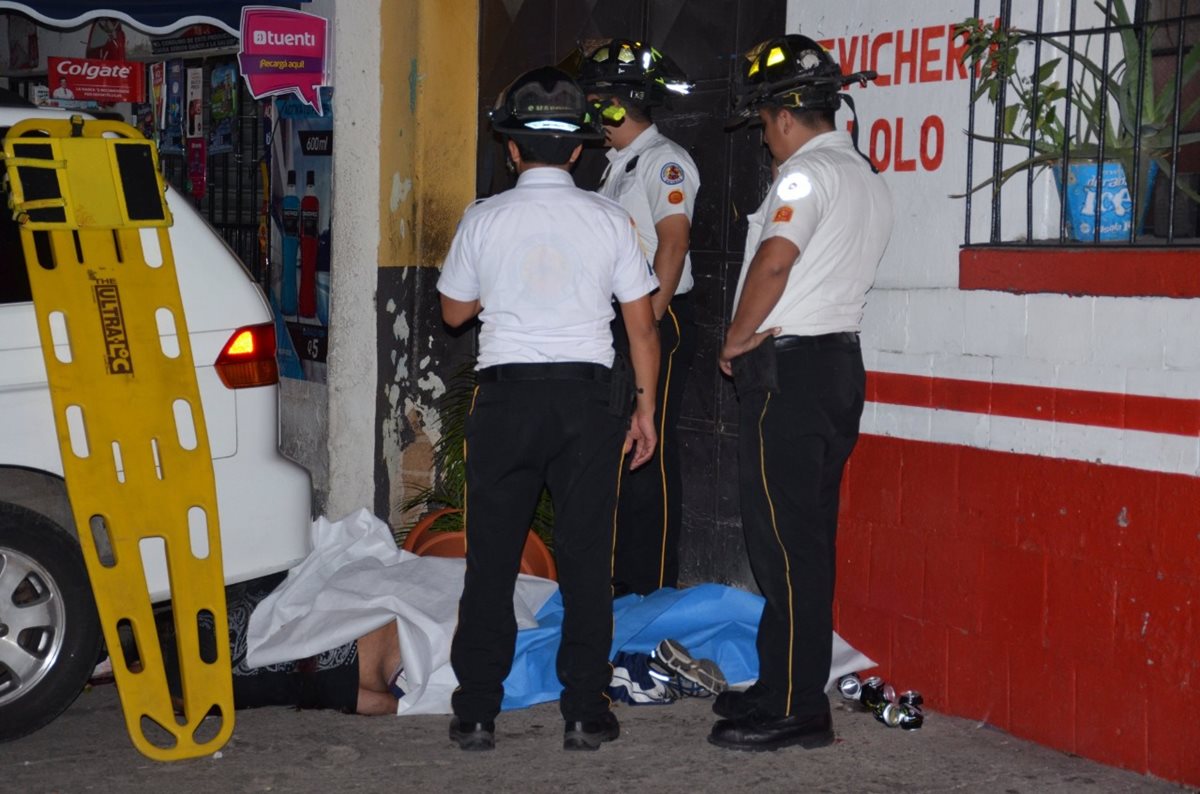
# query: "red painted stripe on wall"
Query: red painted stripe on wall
{"points": [[1074, 406], [1119, 271]]}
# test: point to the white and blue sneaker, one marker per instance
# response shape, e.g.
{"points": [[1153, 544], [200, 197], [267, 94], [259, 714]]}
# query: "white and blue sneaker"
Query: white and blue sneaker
{"points": [[672, 664]]}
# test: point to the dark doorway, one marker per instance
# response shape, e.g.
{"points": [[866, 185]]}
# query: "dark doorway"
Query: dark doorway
{"points": [[705, 39]]}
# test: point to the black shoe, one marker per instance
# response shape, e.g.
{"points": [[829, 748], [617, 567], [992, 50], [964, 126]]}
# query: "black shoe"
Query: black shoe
{"points": [[473, 735], [590, 734], [734, 705], [759, 733]]}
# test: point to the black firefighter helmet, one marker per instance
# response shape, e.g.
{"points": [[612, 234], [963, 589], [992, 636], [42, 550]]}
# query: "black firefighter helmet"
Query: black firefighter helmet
{"points": [[790, 71], [545, 101], [633, 70]]}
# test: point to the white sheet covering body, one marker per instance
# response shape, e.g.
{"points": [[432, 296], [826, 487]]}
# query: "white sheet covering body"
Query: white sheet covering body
{"points": [[356, 580]]}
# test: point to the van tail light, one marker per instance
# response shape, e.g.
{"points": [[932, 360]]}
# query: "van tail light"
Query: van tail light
{"points": [[248, 358]]}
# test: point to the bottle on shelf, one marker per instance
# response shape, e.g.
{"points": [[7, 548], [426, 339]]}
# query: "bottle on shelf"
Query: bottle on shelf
{"points": [[310, 215], [291, 246]]}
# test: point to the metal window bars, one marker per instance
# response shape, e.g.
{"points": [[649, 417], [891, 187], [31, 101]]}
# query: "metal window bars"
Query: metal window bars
{"points": [[1133, 105]]}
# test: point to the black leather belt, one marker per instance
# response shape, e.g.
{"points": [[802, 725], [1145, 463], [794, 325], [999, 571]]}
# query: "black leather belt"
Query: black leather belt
{"points": [[838, 339], [568, 370]]}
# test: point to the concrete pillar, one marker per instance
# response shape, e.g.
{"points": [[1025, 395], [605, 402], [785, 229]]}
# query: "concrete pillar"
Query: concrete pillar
{"points": [[352, 375], [406, 79]]}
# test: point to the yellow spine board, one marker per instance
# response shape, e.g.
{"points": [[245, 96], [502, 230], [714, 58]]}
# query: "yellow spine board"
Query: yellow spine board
{"points": [[133, 470]]}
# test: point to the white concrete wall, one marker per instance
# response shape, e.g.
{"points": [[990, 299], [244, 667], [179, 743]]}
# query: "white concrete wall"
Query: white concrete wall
{"points": [[918, 322]]}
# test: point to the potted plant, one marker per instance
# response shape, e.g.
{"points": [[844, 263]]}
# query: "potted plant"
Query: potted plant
{"points": [[1068, 108], [441, 502]]}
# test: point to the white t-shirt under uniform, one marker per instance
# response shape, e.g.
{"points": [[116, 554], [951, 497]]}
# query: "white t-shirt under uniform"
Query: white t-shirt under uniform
{"points": [[838, 212], [654, 178], [545, 260]]}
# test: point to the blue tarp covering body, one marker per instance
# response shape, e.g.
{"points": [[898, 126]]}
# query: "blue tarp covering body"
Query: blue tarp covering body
{"points": [[712, 621]]}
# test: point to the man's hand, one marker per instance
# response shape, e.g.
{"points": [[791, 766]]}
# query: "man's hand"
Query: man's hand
{"points": [[641, 438], [734, 348], [765, 280]]}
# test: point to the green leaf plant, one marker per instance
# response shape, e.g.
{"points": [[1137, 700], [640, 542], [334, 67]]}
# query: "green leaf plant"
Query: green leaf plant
{"points": [[1098, 116]]}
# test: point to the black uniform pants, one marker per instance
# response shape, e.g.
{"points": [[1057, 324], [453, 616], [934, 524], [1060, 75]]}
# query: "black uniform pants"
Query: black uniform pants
{"points": [[521, 435], [793, 446], [649, 513]]}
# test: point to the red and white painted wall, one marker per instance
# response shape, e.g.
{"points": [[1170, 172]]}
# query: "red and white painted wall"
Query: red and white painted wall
{"points": [[1019, 535]]}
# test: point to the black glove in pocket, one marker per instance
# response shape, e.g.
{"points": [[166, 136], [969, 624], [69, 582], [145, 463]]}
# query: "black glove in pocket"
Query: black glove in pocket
{"points": [[622, 392], [756, 370]]}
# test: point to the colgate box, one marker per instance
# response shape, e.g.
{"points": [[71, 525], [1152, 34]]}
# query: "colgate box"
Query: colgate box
{"points": [[103, 81]]}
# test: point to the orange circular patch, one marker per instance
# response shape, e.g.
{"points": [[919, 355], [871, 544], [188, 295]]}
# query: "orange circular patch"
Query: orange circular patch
{"points": [[675, 197], [782, 215]]}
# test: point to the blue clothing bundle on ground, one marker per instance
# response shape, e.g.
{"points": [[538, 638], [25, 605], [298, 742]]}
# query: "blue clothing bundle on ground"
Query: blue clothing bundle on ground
{"points": [[712, 621]]}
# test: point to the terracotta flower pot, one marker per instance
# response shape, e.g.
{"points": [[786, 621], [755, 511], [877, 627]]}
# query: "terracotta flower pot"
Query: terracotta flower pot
{"points": [[421, 528], [536, 558]]}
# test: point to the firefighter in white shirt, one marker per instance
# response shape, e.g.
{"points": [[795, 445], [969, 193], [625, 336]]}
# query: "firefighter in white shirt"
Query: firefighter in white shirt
{"points": [[540, 265], [656, 180], [812, 250]]}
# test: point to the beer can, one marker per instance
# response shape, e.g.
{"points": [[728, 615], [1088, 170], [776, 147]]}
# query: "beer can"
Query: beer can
{"points": [[876, 693], [912, 698], [850, 687], [891, 714], [911, 717]]}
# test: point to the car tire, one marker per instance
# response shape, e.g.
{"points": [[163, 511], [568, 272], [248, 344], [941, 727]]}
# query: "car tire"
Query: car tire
{"points": [[49, 629]]}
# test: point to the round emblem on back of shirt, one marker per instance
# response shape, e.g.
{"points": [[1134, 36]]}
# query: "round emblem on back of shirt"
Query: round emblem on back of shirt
{"points": [[671, 173]]}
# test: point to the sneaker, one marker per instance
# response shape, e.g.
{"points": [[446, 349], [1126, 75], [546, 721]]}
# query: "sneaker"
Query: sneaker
{"points": [[693, 677]]}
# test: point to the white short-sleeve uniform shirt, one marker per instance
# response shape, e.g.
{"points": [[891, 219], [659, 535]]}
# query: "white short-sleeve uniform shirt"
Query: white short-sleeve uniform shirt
{"points": [[838, 212], [545, 260], [653, 178]]}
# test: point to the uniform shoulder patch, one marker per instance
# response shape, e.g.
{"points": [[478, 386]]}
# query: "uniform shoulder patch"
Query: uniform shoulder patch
{"points": [[782, 215], [671, 173], [793, 186], [675, 197]]}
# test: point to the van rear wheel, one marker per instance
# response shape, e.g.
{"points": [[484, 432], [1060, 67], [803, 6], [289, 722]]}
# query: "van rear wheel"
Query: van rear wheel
{"points": [[49, 629]]}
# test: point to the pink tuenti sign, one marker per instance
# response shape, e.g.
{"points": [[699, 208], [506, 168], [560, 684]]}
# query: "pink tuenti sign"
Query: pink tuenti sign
{"points": [[284, 52]]}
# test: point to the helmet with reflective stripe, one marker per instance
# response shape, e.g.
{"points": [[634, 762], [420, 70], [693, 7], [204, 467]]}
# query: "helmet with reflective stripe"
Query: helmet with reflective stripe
{"points": [[789, 71], [545, 101], [629, 68]]}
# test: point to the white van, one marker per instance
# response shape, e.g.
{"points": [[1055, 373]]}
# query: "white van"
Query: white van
{"points": [[49, 631]]}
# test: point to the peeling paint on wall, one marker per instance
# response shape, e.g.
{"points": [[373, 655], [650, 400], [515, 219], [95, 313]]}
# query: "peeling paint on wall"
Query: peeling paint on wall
{"points": [[400, 191], [426, 176], [432, 384]]}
